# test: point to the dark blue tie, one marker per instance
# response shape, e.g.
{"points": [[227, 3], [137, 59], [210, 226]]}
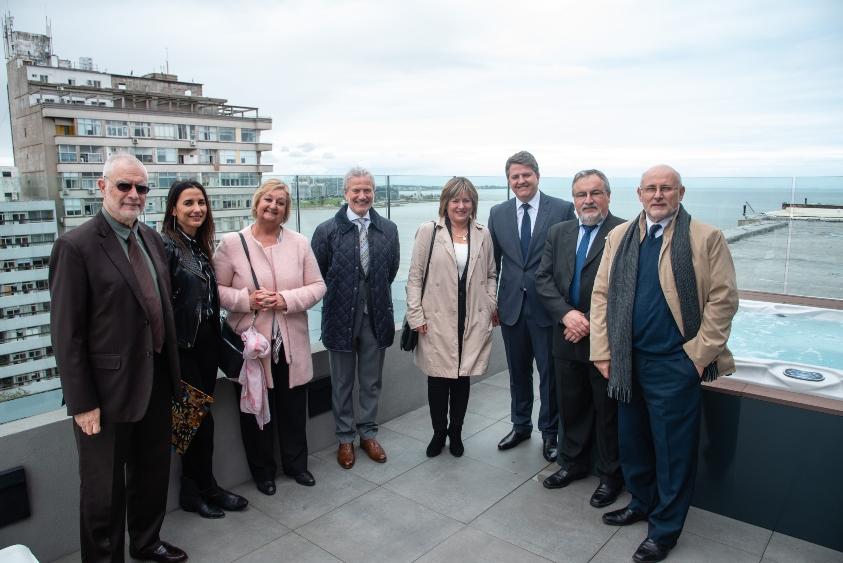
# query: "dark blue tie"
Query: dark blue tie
{"points": [[582, 252], [654, 230], [525, 231]]}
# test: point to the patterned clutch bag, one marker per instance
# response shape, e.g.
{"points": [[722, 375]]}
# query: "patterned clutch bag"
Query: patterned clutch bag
{"points": [[188, 412]]}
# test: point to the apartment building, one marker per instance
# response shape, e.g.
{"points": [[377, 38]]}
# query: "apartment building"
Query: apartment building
{"points": [[67, 118], [27, 232]]}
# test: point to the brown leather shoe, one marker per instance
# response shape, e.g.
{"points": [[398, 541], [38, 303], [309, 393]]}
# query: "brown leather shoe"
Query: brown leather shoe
{"points": [[345, 455], [373, 449]]}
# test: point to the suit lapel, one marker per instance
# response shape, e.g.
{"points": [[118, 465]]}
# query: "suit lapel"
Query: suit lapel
{"points": [[599, 240], [540, 228], [569, 250]]}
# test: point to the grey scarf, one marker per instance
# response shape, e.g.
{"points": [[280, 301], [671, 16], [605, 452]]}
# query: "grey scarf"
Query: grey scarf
{"points": [[622, 297]]}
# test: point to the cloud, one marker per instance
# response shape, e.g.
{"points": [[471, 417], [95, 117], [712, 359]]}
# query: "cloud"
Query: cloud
{"points": [[749, 87]]}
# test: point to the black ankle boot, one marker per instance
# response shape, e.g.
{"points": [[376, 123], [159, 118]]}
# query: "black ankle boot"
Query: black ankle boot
{"points": [[434, 448], [455, 441]]}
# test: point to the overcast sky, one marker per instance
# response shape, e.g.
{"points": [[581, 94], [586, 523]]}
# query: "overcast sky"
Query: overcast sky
{"points": [[715, 88]]}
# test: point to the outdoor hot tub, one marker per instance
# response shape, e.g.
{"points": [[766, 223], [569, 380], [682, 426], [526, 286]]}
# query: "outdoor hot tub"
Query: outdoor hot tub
{"points": [[770, 442], [790, 347]]}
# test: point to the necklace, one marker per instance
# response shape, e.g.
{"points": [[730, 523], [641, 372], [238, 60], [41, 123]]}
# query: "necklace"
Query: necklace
{"points": [[462, 237]]}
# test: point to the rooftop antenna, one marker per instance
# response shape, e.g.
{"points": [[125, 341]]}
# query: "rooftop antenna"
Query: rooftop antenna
{"points": [[167, 59]]}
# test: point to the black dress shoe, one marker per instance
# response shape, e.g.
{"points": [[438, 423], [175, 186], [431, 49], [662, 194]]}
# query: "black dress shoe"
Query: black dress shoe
{"points": [[164, 553], [513, 439], [201, 506], [550, 449], [305, 478], [225, 499], [605, 495], [623, 517], [649, 552], [267, 487], [562, 478]]}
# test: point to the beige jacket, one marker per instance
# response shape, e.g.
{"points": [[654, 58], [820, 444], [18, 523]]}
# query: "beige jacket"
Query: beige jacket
{"points": [[437, 353], [716, 287]]}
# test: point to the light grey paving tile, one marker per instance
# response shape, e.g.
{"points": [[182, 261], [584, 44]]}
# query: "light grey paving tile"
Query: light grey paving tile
{"points": [[746, 537], [489, 401], [691, 548], [294, 505], [223, 540], [469, 545], [499, 380], [525, 459], [402, 453], [416, 424], [380, 526], [291, 547], [559, 525], [787, 549], [460, 488]]}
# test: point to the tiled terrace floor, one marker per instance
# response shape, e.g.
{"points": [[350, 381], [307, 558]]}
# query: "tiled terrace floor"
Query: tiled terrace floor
{"points": [[487, 506]]}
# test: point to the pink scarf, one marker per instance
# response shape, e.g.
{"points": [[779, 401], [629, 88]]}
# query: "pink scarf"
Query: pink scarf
{"points": [[253, 397]]}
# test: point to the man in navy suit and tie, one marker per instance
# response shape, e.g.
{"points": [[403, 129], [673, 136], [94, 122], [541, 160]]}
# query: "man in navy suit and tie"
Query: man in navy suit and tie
{"points": [[564, 282], [519, 229]]}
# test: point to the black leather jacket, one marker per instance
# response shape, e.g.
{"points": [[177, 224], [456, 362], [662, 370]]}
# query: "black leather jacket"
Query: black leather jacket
{"points": [[194, 288]]}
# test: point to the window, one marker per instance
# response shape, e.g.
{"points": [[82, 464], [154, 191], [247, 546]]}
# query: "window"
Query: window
{"points": [[167, 179], [227, 134], [140, 129], [89, 127], [228, 157], [116, 129], [164, 130], [43, 78], [89, 180], [71, 81], [242, 179], [206, 133], [248, 157], [67, 153], [187, 132], [69, 180], [94, 83], [206, 156], [72, 206], [249, 135], [90, 153], [167, 156], [144, 154]]}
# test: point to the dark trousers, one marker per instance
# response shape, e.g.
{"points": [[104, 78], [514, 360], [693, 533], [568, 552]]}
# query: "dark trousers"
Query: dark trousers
{"points": [[525, 341], [288, 410], [124, 472], [199, 368], [439, 391], [659, 438], [589, 419]]}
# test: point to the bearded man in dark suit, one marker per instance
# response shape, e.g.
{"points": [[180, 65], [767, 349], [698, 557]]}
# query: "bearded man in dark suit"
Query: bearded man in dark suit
{"points": [[115, 345], [564, 281]]}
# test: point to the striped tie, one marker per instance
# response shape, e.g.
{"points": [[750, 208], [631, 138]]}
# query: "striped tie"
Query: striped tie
{"points": [[364, 245]]}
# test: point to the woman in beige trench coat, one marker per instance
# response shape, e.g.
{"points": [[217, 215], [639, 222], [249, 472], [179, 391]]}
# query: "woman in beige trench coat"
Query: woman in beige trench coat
{"points": [[454, 319]]}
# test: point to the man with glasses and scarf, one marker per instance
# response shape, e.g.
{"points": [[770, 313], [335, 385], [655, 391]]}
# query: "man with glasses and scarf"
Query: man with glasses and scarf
{"points": [[661, 313], [115, 345]]}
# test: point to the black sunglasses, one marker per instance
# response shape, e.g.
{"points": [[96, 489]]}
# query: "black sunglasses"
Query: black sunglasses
{"points": [[126, 187]]}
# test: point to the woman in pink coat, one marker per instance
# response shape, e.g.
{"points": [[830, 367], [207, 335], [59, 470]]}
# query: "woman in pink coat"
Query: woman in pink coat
{"points": [[289, 284]]}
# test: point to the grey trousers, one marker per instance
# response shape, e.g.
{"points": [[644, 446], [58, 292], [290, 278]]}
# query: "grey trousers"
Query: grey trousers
{"points": [[367, 361]]}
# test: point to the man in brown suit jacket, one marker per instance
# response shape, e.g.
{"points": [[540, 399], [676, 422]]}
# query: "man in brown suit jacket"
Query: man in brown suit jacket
{"points": [[115, 345]]}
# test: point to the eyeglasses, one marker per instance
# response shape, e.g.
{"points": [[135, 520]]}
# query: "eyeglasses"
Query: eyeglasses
{"points": [[665, 190], [594, 194], [126, 187]]}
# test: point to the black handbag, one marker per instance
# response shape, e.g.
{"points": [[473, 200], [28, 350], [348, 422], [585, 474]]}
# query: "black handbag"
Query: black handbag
{"points": [[231, 356], [410, 337]]}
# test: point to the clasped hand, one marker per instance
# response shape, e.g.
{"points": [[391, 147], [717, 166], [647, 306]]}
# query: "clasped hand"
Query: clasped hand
{"points": [[264, 300]]}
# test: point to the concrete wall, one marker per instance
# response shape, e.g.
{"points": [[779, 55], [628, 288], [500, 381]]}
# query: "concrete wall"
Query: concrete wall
{"points": [[44, 446]]}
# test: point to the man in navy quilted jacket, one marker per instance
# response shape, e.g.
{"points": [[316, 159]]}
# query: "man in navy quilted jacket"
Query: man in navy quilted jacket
{"points": [[358, 255]]}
